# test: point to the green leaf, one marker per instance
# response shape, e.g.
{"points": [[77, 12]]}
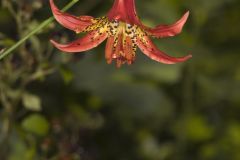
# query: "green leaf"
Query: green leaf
{"points": [[36, 124], [21, 150], [195, 128], [67, 74], [31, 102]]}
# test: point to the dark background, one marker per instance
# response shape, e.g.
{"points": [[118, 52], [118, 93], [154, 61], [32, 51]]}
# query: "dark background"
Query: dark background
{"points": [[56, 106]]}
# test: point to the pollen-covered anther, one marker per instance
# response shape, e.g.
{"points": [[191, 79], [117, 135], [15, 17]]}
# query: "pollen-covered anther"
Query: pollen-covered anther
{"points": [[123, 42]]}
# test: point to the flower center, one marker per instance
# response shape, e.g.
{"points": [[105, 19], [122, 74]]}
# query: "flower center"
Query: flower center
{"points": [[125, 36]]}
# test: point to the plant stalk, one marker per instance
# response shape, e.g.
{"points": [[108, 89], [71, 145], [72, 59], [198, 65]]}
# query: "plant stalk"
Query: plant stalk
{"points": [[33, 32]]}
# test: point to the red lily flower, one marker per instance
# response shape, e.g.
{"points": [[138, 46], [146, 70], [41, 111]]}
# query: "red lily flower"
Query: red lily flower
{"points": [[123, 31]]}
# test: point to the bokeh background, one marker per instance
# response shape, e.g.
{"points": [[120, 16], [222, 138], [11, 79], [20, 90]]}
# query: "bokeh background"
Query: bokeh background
{"points": [[56, 106]]}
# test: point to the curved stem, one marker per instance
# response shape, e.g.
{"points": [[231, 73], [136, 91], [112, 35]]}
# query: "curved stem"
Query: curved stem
{"points": [[33, 32]]}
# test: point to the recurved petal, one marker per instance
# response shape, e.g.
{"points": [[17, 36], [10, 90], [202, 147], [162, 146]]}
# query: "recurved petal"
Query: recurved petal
{"points": [[150, 49], [89, 41], [169, 30], [77, 24]]}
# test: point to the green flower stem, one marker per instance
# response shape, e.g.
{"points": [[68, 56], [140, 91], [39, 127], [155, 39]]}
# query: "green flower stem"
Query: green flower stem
{"points": [[33, 32]]}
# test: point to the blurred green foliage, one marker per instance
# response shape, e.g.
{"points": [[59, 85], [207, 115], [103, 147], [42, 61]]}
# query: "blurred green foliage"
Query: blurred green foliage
{"points": [[58, 106]]}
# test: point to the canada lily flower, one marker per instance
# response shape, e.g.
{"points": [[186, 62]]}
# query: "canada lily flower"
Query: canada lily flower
{"points": [[124, 33]]}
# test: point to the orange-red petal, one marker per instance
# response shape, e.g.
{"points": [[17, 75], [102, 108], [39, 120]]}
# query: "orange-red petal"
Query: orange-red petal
{"points": [[169, 30], [150, 49], [77, 24], [124, 10], [89, 41]]}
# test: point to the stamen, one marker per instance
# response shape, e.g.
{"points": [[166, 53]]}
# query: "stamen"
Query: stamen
{"points": [[125, 38]]}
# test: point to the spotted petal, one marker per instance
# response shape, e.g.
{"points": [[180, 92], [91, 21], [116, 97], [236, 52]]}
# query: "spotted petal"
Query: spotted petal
{"points": [[77, 24], [169, 30], [89, 41], [150, 49]]}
